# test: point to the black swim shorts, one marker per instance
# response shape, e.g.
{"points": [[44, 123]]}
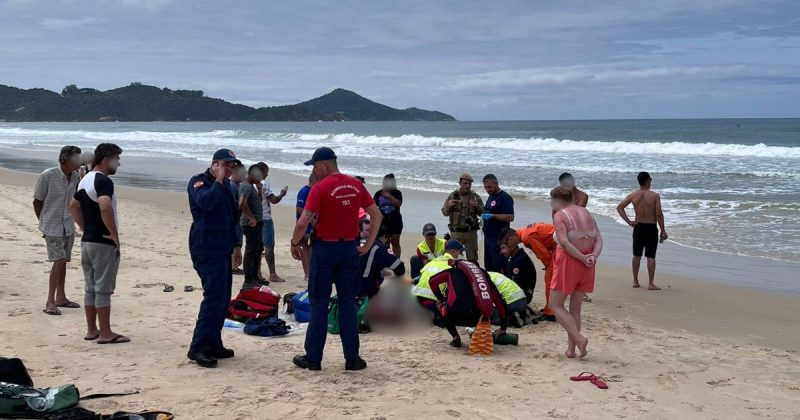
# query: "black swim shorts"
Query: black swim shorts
{"points": [[645, 238]]}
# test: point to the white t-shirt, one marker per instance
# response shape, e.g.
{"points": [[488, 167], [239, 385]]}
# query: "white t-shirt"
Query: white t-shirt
{"points": [[267, 193]]}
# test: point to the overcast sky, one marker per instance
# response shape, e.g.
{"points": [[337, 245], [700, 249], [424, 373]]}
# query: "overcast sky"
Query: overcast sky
{"points": [[476, 60]]}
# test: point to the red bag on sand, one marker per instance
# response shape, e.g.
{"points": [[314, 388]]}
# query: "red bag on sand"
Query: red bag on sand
{"points": [[256, 302], [243, 310], [263, 295]]}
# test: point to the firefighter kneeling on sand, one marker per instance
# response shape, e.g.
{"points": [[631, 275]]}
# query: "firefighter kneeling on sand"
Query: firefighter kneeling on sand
{"points": [[466, 296]]}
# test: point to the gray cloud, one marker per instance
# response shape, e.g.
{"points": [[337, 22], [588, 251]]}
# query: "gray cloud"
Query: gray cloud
{"points": [[504, 60]]}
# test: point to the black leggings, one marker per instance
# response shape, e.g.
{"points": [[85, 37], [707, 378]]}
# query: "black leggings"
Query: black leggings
{"points": [[254, 243]]}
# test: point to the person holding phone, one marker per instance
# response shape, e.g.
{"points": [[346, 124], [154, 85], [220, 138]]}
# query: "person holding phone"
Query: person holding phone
{"points": [[212, 238]]}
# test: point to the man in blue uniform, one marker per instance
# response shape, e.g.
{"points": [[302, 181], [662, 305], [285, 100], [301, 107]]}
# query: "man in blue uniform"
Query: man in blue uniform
{"points": [[211, 243], [498, 213]]}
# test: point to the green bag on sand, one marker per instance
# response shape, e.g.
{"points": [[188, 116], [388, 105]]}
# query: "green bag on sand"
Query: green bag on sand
{"points": [[23, 401], [333, 313]]}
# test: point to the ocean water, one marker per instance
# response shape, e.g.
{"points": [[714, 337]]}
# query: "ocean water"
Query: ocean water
{"points": [[727, 185]]}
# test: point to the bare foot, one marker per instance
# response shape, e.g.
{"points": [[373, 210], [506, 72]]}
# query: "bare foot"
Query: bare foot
{"points": [[582, 347], [570, 353], [653, 287], [274, 278], [635, 285]]}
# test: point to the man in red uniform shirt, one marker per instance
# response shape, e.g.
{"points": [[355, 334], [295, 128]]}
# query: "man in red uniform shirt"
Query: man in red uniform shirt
{"points": [[332, 206]]}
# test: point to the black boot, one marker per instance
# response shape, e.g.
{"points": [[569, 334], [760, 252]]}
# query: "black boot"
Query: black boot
{"points": [[356, 364], [203, 359], [302, 361]]}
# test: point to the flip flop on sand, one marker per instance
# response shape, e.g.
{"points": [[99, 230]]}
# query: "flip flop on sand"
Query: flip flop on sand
{"points": [[116, 339], [188, 288], [589, 376], [583, 376], [168, 288], [92, 337], [51, 311], [68, 304], [599, 383]]}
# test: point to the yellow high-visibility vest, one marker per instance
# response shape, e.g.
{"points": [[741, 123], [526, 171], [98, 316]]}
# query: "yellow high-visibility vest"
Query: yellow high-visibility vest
{"points": [[435, 266], [438, 250], [509, 290]]}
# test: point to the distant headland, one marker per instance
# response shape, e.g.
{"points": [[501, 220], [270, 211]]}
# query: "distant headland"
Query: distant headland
{"points": [[138, 102]]}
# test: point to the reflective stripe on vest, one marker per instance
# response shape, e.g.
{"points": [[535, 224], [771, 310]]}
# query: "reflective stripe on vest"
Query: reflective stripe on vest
{"points": [[437, 265], [510, 291]]}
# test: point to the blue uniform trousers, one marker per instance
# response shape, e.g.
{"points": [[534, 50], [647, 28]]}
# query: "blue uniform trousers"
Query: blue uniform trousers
{"points": [[333, 263], [491, 255], [215, 275]]}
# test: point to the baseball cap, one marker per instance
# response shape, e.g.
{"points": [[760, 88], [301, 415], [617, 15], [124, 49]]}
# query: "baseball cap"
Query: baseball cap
{"points": [[428, 229], [454, 244], [322, 153], [466, 176], [226, 155]]}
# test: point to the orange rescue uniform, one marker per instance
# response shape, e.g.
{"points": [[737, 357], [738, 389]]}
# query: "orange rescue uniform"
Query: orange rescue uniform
{"points": [[538, 237]]}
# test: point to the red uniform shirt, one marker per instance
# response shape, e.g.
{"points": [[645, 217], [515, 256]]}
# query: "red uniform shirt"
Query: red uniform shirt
{"points": [[336, 200]]}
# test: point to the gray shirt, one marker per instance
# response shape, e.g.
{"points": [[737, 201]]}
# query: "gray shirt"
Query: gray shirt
{"points": [[55, 190], [248, 192]]}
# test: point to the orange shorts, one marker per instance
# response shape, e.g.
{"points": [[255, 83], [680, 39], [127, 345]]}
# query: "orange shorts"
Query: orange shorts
{"points": [[571, 275]]}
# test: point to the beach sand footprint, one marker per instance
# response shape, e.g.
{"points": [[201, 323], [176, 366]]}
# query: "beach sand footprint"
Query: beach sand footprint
{"points": [[720, 382], [19, 312]]}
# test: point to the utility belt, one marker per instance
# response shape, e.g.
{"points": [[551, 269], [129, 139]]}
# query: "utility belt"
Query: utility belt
{"points": [[462, 229]]}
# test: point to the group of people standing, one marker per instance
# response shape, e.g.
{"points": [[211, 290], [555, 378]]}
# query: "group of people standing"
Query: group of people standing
{"points": [[231, 208], [65, 197]]}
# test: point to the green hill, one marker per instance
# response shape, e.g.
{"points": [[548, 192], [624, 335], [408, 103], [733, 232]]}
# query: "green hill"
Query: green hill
{"points": [[137, 102], [351, 106]]}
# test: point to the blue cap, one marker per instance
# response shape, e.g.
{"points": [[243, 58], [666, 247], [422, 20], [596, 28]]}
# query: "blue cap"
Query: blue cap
{"points": [[454, 244], [322, 153], [226, 155]]}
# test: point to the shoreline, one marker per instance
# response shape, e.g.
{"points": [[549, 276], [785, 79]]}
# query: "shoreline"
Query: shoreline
{"points": [[421, 206], [686, 303], [693, 349]]}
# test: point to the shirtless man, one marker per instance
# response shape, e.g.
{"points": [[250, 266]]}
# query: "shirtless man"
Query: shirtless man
{"points": [[579, 198], [647, 206]]}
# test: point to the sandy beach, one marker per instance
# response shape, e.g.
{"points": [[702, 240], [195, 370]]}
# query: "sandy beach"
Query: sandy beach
{"points": [[694, 350]]}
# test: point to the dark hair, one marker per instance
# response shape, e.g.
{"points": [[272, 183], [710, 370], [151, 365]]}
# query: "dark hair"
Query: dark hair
{"points": [[359, 177], [253, 168], [564, 175], [389, 176], [262, 165], [561, 193], [507, 233], [67, 152], [105, 150], [490, 177], [643, 177]]}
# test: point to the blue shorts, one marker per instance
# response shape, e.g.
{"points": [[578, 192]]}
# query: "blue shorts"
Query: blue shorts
{"points": [[268, 234]]}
